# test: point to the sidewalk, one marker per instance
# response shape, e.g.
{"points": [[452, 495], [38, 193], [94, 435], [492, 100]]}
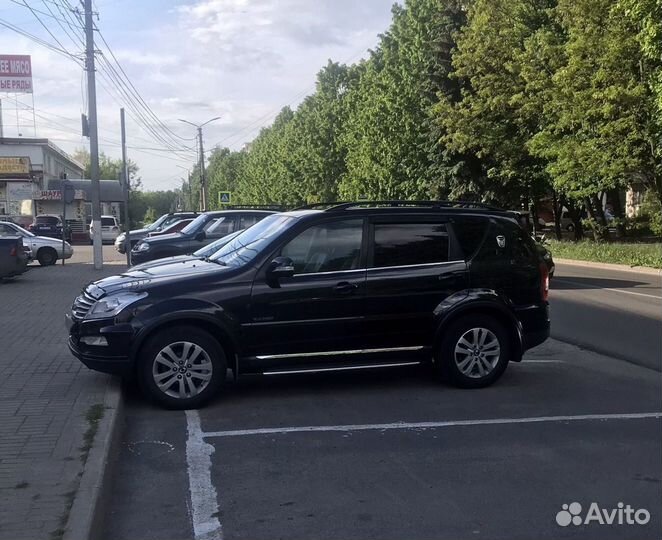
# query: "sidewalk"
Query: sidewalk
{"points": [[48, 399]]}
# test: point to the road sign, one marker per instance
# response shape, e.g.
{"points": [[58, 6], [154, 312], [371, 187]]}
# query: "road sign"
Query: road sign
{"points": [[225, 197]]}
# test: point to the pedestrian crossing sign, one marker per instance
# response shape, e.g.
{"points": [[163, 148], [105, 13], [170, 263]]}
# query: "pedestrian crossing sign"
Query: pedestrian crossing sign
{"points": [[225, 197]]}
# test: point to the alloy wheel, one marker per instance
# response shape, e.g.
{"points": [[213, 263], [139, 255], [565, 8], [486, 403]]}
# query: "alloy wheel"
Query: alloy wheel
{"points": [[477, 352], [182, 369]]}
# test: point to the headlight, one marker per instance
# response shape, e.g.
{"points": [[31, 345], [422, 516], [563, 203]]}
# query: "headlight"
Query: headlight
{"points": [[113, 304], [120, 238], [143, 246]]}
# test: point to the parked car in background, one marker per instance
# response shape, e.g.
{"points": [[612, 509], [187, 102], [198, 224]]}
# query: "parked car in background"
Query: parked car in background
{"points": [[164, 221], [49, 225], [203, 230], [202, 253], [110, 229], [363, 285], [175, 227], [567, 224], [43, 249], [13, 257]]}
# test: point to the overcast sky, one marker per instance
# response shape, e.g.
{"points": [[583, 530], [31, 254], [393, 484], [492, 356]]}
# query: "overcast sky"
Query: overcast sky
{"points": [[239, 59]]}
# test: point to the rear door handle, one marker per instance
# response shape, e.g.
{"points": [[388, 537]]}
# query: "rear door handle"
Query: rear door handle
{"points": [[345, 287]]}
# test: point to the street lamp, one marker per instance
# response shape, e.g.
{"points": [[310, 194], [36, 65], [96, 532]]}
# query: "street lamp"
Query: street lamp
{"points": [[203, 178]]}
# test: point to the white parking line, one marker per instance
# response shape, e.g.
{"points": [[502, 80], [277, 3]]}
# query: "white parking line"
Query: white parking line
{"points": [[204, 501], [542, 362], [430, 425], [583, 286]]}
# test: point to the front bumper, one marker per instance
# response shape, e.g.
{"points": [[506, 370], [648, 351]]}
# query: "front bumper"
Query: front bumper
{"points": [[114, 358]]}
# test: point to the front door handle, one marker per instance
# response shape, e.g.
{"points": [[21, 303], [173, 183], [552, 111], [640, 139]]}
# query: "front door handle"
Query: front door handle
{"points": [[345, 287]]}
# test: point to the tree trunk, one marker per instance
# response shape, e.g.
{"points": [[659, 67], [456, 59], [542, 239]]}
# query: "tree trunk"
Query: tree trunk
{"points": [[618, 212], [558, 204]]}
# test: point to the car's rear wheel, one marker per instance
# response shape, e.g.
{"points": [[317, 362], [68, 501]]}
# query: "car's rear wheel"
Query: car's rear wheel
{"points": [[46, 256], [182, 367], [474, 351]]}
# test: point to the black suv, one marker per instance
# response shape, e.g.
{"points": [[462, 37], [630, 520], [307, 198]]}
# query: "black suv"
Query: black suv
{"points": [[203, 230], [355, 285]]}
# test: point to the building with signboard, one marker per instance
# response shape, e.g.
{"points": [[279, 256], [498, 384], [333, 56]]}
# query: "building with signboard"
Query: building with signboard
{"points": [[26, 166]]}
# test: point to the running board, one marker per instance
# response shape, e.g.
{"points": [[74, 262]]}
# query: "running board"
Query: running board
{"points": [[339, 368]]}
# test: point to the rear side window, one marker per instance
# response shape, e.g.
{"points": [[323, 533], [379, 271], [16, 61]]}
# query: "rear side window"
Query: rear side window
{"points": [[405, 244], [522, 246], [470, 232], [107, 222], [48, 220]]}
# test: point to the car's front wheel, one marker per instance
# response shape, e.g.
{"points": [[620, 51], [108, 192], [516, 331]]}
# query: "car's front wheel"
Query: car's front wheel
{"points": [[47, 256], [474, 351], [182, 367]]}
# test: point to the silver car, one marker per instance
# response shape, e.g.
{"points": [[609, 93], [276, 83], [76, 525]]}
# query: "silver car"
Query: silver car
{"points": [[44, 249]]}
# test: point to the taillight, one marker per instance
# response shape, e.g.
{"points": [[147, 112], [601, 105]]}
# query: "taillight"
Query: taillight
{"points": [[544, 282], [12, 251]]}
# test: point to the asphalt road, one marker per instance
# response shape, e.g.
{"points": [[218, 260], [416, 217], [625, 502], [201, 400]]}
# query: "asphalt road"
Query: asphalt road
{"points": [[395, 454], [613, 312]]}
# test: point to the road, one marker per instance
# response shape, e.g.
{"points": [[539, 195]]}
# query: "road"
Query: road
{"points": [[613, 312], [398, 455]]}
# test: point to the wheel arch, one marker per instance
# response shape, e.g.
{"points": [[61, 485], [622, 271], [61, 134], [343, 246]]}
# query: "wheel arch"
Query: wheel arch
{"points": [[216, 330], [484, 303]]}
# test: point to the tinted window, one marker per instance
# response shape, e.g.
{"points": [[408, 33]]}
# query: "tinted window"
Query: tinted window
{"points": [[470, 232], [220, 227], [195, 225], [248, 221], [329, 247], [5, 230], [107, 222], [48, 220], [401, 244], [522, 246]]}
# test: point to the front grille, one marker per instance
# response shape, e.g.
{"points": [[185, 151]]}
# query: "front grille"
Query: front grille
{"points": [[82, 305]]}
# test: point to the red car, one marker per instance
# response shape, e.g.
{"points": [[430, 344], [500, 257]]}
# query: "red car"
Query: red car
{"points": [[174, 228]]}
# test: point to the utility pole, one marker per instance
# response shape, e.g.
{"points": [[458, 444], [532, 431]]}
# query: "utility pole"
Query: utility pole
{"points": [[125, 192], [94, 136], [203, 178]]}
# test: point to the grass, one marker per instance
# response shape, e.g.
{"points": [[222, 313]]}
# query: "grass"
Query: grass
{"points": [[632, 254], [93, 416]]}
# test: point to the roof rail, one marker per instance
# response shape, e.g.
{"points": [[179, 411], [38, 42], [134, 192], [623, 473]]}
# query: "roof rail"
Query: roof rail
{"points": [[312, 206], [278, 207], [333, 207]]}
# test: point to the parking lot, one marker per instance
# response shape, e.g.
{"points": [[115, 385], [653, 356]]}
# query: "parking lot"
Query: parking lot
{"points": [[396, 454]]}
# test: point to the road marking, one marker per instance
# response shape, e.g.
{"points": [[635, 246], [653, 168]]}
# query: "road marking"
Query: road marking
{"points": [[431, 425], [204, 501], [607, 289], [542, 362]]}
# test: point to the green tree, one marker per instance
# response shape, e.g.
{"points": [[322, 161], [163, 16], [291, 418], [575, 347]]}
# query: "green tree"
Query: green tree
{"points": [[150, 216], [223, 173]]}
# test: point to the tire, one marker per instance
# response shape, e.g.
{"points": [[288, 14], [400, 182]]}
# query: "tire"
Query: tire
{"points": [[464, 369], [47, 256], [163, 353]]}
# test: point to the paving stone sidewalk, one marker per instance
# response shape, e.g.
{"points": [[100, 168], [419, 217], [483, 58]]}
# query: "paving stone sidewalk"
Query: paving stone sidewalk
{"points": [[45, 396]]}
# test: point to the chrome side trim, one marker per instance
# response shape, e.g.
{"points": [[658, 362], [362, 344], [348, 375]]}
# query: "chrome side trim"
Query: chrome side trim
{"points": [[332, 272], [336, 353], [344, 368], [444, 263], [302, 321]]}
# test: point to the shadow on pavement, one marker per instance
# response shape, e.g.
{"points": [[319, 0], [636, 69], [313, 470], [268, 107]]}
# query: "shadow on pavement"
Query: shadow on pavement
{"points": [[578, 282]]}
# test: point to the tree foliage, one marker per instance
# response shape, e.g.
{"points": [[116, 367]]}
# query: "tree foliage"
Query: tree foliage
{"points": [[506, 101]]}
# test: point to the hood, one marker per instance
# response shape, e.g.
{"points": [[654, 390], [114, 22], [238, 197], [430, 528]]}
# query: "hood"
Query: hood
{"points": [[164, 238], [45, 239], [139, 280], [163, 262], [137, 232]]}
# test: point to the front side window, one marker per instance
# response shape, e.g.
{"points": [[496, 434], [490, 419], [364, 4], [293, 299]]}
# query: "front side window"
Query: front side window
{"points": [[220, 227], [329, 247], [248, 221], [405, 244]]}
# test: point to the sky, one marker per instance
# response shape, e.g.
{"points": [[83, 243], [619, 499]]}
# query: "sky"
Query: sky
{"points": [[242, 60]]}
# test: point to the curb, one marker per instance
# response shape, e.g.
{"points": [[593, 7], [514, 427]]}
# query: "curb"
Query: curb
{"points": [[86, 514], [611, 266]]}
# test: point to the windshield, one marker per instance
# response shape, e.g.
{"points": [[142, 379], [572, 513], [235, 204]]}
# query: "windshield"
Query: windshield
{"points": [[212, 248], [157, 223], [245, 247], [195, 224], [23, 231]]}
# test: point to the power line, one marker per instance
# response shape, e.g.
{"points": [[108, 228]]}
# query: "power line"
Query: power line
{"points": [[40, 41], [34, 13]]}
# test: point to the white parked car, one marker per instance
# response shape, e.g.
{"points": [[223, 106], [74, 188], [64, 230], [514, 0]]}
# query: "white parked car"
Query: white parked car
{"points": [[43, 248], [110, 229]]}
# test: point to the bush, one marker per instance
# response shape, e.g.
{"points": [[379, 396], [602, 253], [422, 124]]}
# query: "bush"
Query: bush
{"points": [[618, 253]]}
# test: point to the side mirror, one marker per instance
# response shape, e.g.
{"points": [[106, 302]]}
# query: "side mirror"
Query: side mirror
{"points": [[200, 236], [280, 267]]}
